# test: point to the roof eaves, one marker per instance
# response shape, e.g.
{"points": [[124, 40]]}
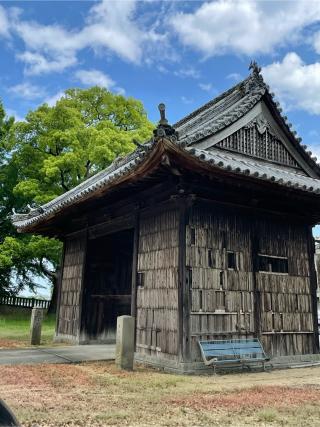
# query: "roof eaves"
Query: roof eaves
{"points": [[253, 169], [115, 171], [306, 153]]}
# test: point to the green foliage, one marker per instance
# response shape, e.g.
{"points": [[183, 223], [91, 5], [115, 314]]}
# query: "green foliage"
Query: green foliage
{"points": [[58, 147], [49, 153]]}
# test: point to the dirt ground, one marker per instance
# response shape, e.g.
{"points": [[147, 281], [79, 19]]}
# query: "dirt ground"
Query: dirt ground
{"points": [[97, 394]]}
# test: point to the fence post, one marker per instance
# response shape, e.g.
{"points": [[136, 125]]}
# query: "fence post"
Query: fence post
{"points": [[36, 324]]}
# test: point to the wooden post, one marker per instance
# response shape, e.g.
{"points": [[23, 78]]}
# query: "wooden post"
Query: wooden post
{"points": [[256, 291], [83, 284], [36, 324], [184, 286], [125, 342], [59, 284], [135, 267], [313, 289]]}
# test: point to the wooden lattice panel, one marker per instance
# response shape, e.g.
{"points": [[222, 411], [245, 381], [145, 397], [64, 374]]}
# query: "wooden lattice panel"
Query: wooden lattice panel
{"points": [[266, 145]]}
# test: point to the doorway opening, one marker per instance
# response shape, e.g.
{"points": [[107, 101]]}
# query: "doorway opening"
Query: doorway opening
{"points": [[107, 288]]}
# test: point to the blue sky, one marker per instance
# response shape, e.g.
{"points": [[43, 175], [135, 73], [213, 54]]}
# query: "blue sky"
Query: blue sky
{"points": [[183, 53], [180, 53]]}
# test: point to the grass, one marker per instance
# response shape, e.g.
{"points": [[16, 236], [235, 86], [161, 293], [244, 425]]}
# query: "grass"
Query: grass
{"points": [[15, 330], [98, 394]]}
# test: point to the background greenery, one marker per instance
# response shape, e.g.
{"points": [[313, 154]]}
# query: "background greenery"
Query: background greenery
{"points": [[53, 150], [15, 329]]}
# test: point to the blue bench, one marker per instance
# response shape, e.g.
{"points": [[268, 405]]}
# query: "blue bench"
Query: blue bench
{"points": [[233, 352]]}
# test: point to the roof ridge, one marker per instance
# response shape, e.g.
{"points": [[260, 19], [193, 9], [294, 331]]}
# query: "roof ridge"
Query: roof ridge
{"points": [[244, 84]]}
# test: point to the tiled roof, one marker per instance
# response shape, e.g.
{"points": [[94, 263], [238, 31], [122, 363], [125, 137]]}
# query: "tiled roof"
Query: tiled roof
{"points": [[231, 106], [91, 185], [207, 120], [218, 159], [221, 111], [261, 170]]}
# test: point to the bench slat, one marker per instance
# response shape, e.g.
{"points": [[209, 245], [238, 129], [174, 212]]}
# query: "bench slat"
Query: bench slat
{"points": [[218, 352], [232, 351]]}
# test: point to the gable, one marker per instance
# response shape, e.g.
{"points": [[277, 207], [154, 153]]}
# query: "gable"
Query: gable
{"points": [[258, 135], [258, 139]]}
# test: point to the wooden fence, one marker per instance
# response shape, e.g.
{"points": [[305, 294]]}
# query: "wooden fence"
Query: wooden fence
{"points": [[25, 302]]}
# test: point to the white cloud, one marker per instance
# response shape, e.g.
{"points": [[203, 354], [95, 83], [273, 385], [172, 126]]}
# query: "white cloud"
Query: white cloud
{"points": [[52, 100], [244, 27], [4, 22], [13, 113], [186, 100], [98, 78], [187, 72], [297, 84], [37, 63], [27, 90], [235, 76], [94, 78], [207, 87], [316, 42], [110, 28], [162, 69]]}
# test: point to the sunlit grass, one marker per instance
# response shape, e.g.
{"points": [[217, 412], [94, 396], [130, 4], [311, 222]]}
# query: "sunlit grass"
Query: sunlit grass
{"points": [[15, 329]]}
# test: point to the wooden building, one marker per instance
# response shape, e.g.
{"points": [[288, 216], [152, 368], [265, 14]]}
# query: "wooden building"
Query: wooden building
{"points": [[204, 232]]}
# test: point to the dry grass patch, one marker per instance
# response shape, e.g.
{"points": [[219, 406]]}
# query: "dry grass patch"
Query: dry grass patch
{"points": [[253, 398], [97, 394]]}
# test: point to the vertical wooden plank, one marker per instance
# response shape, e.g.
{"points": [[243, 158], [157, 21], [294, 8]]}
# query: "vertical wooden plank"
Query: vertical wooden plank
{"points": [[135, 271], [184, 308], [82, 282], [60, 286], [313, 289], [255, 270]]}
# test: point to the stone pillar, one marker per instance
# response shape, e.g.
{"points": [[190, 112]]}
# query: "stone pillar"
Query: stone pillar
{"points": [[36, 323], [125, 342]]}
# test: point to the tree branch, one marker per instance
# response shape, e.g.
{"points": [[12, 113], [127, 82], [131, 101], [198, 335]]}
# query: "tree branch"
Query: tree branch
{"points": [[63, 184], [50, 274]]}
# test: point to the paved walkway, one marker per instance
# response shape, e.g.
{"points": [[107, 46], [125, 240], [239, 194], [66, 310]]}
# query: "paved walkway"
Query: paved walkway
{"points": [[63, 354]]}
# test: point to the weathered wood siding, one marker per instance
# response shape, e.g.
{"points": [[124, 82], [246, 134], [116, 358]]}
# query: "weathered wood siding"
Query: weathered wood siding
{"points": [[157, 285], [222, 299], [71, 287], [239, 303], [286, 308]]}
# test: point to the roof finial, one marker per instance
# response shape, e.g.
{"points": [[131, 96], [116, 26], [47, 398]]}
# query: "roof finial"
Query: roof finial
{"points": [[164, 129], [162, 109], [256, 70]]}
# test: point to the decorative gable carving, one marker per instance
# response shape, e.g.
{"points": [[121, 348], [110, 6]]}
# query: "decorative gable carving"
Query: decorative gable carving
{"points": [[258, 139]]}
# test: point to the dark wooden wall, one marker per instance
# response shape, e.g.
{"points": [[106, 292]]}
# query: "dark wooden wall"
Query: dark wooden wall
{"points": [[221, 300], [286, 303], [107, 285], [69, 310], [157, 295], [241, 302]]}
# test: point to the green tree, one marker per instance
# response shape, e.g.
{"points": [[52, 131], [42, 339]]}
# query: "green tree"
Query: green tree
{"points": [[53, 150]]}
